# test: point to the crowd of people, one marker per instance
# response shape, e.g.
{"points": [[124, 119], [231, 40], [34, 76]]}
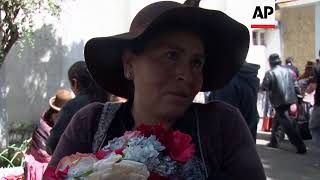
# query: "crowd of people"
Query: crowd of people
{"points": [[295, 99], [153, 72], [62, 106]]}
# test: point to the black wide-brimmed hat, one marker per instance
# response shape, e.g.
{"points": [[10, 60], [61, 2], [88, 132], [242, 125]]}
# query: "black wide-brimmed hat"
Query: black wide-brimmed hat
{"points": [[226, 44]]}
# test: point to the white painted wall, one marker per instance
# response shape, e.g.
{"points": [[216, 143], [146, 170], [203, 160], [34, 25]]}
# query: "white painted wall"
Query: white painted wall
{"points": [[242, 11], [317, 31], [32, 77]]}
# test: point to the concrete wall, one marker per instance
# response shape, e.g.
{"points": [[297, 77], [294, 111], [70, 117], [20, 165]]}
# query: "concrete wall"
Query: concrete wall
{"points": [[32, 75], [259, 53], [317, 31], [298, 33]]}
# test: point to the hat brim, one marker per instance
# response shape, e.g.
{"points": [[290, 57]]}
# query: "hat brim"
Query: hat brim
{"points": [[226, 44], [51, 104]]}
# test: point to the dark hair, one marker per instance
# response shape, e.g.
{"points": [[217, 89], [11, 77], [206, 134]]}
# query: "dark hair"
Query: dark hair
{"points": [[274, 60], [289, 60], [86, 85], [47, 116]]}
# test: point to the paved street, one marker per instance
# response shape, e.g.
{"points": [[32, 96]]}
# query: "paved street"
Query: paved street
{"points": [[285, 164]]}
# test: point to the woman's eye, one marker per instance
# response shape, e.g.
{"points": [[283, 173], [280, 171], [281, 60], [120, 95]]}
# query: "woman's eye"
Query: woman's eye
{"points": [[172, 55], [197, 63]]}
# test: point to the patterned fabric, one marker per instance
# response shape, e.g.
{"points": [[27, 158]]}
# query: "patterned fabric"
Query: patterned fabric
{"points": [[38, 142], [193, 170], [107, 115], [36, 158], [34, 169]]}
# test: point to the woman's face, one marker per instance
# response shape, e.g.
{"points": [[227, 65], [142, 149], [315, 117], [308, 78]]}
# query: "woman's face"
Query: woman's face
{"points": [[168, 74]]}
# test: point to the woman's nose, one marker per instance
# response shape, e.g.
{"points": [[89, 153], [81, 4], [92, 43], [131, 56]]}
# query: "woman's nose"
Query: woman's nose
{"points": [[184, 72]]}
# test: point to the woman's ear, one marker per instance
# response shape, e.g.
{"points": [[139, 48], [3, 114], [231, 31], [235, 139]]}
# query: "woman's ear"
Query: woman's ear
{"points": [[74, 85], [127, 60]]}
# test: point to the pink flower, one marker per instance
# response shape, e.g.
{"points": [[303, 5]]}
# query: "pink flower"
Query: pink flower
{"points": [[119, 151], [49, 174], [156, 176], [131, 134], [103, 153], [179, 146]]}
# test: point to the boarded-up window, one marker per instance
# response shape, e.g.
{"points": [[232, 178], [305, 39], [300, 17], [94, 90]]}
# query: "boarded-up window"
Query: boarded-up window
{"points": [[262, 39], [255, 38]]}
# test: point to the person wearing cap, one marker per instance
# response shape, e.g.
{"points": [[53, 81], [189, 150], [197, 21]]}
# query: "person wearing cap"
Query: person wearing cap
{"points": [[170, 53], [283, 90], [307, 76], [36, 156], [86, 91]]}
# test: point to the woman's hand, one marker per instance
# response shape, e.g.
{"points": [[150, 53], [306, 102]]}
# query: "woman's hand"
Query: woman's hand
{"points": [[122, 170]]}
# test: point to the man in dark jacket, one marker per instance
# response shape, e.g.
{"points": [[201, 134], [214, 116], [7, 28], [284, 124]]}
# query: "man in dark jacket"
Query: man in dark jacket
{"points": [[242, 92], [283, 89], [86, 91]]}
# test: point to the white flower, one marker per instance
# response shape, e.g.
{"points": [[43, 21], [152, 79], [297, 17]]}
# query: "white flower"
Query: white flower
{"points": [[144, 150], [83, 166]]}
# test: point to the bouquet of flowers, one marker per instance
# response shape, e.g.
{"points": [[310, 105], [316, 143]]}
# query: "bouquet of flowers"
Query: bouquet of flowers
{"points": [[150, 152]]}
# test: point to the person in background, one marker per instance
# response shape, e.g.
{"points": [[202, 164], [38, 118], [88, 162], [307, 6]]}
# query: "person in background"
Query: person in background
{"points": [[36, 157], [314, 124], [306, 77], [283, 90], [289, 64], [242, 92], [85, 90]]}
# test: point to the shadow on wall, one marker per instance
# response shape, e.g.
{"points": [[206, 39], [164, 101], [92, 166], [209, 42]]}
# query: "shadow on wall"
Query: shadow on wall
{"points": [[32, 76]]}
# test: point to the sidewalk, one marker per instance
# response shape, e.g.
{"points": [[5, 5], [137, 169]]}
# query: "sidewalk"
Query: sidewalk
{"points": [[285, 164]]}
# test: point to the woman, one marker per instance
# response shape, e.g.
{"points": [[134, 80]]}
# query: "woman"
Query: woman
{"points": [[307, 76], [86, 91], [36, 156], [170, 53]]}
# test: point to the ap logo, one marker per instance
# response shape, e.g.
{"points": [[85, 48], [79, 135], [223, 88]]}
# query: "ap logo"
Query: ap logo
{"points": [[263, 14]]}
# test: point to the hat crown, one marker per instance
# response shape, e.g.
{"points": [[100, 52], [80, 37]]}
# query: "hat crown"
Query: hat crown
{"points": [[62, 96], [309, 64], [149, 13]]}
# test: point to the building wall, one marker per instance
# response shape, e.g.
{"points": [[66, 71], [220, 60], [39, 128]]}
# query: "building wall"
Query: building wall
{"points": [[32, 74], [317, 32], [260, 53], [298, 33]]}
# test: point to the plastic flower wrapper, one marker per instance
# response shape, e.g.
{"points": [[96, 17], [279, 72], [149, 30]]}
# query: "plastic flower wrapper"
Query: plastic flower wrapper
{"points": [[115, 168], [76, 165]]}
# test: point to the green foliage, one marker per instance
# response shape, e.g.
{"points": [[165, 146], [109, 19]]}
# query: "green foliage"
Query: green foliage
{"points": [[17, 20], [13, 155]]}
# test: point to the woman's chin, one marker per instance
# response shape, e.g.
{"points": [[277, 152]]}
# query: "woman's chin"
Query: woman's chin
{"points": [[175, 109]]}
